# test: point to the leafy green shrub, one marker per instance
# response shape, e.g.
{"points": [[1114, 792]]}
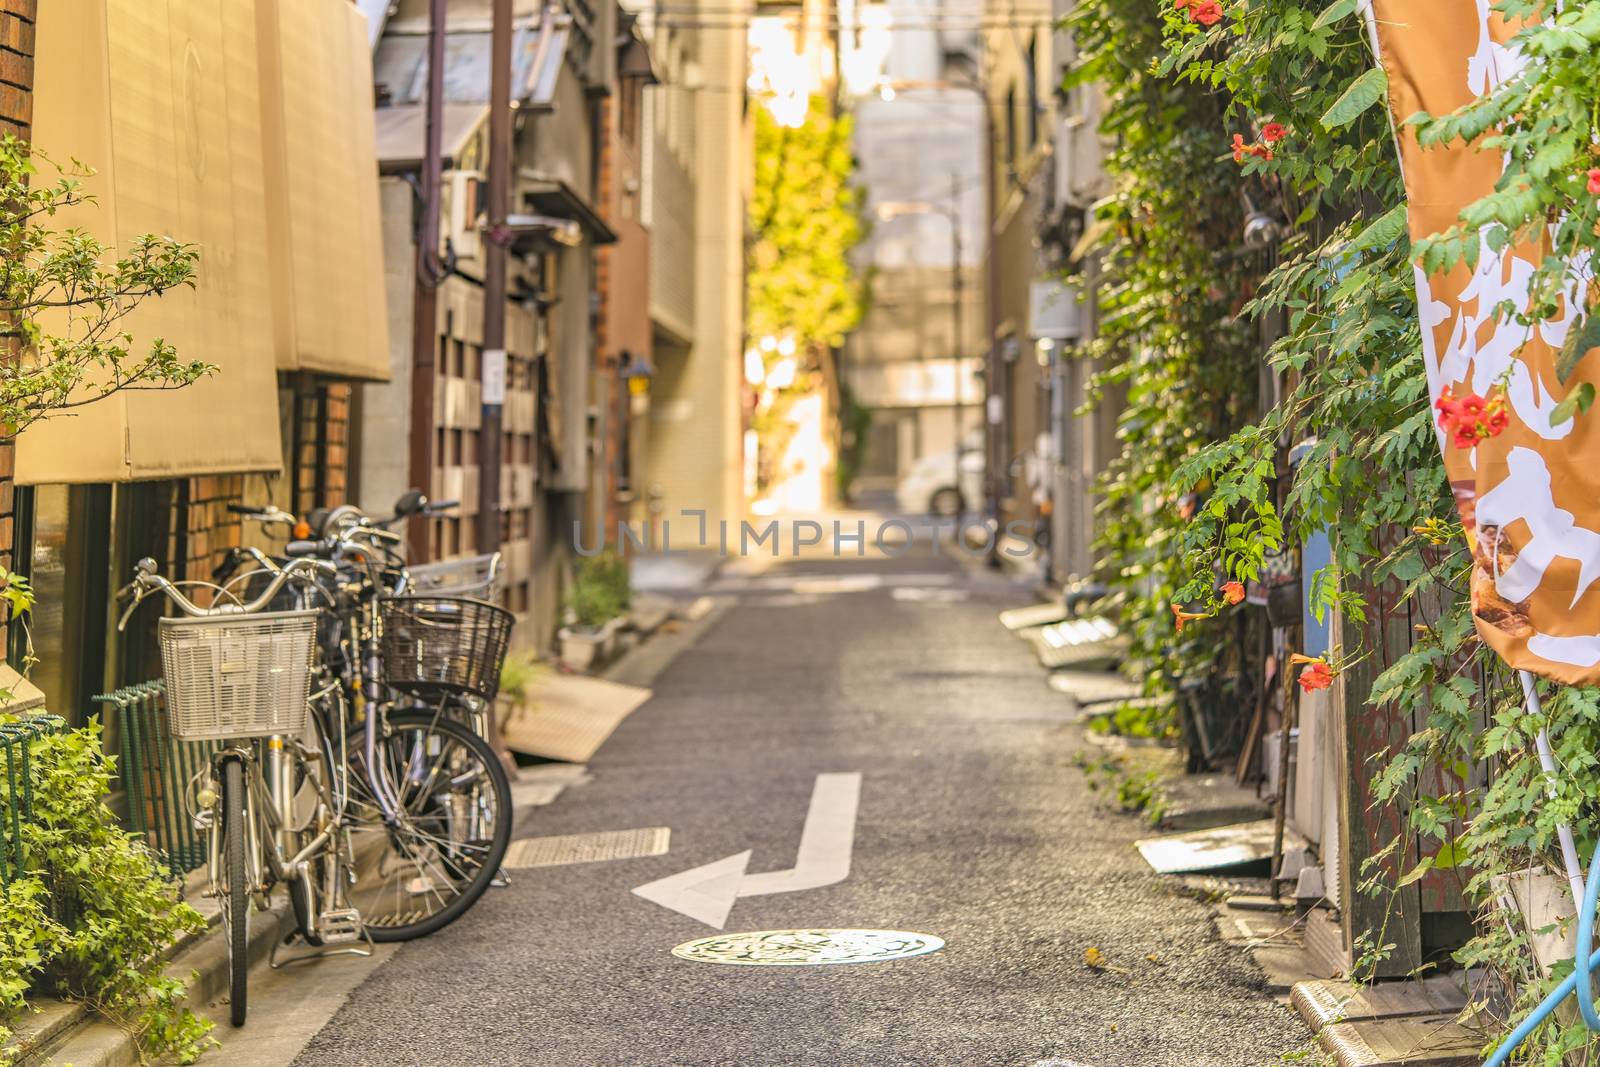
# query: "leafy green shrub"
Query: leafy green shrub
{"points": [[601, 590], [94, 912]]}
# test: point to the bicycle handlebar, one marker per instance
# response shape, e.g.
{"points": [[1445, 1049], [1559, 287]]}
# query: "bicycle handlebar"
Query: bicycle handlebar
{"points": [[146, 581], [269, 513]]}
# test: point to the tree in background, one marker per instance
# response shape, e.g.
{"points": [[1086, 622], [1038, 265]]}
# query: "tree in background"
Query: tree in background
{"points": [[802, 295]]}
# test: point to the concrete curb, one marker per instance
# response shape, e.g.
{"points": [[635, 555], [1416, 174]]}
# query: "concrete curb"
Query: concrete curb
{"points": [[68, 1034]]}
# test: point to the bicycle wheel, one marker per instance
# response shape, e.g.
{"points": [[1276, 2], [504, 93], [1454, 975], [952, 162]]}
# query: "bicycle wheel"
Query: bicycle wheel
{"points": [[236, 892], [423, 871]]}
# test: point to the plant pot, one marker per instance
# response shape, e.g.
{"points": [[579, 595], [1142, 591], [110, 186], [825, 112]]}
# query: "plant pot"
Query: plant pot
{"points": [[1545, 903], [584, 648], [581, 648]]}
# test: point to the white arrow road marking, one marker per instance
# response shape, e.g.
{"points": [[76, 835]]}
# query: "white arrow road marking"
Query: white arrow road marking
{"points": [[702, 893], [707, 893]]}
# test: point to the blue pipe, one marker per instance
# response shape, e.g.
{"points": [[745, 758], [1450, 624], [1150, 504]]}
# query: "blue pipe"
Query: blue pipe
{"points": [[1541, 1013], [1579, 979], [1585, 946]]}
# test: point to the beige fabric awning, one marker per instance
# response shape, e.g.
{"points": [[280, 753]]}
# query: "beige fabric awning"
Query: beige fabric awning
{"points": [[322, 189], [163, 101]]}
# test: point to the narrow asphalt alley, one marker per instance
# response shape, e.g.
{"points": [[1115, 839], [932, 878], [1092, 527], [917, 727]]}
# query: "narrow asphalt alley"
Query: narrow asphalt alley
{"points": [[973, 825]]}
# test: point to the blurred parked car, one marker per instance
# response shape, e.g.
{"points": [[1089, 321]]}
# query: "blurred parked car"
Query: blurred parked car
{"points": [[930, 486]]}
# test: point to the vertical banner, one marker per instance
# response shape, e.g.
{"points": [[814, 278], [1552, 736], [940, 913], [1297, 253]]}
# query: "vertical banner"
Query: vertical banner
{"points": [[1529, 496]]}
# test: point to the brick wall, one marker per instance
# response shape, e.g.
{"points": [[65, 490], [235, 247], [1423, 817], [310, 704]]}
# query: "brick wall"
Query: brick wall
{"points": [[202, 527], [16, 119], [16, 66], [320, 458]]}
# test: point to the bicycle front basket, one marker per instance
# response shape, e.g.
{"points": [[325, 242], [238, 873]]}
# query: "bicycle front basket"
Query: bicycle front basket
{"points": [[438, 644], [468, 576], [235, 676]]}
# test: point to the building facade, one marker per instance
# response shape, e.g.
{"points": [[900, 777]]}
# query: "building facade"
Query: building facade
{"points": [[1044, 451], [915, 360]]}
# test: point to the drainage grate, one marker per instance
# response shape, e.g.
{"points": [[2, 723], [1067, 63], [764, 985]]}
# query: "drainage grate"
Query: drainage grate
{"points": [[801, 948], [587, 848]]}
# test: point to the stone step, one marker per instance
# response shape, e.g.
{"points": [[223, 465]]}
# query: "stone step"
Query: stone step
{"points": [[1427, 1041], [1327, 1002]]}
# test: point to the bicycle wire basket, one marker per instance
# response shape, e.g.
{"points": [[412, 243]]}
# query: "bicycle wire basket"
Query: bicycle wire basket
{"points": [[469, 576], [236, 676], [434, 645]]}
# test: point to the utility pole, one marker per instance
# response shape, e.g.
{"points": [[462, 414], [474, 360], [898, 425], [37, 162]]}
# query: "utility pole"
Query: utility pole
{"points": [[957, 339], [496, 237], [425, 298], [994, 173]]}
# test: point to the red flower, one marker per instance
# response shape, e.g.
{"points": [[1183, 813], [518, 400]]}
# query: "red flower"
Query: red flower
{"points": [[1317, 675], [1180, 4], [1233, 592], [1239, 148], [1179, 616], [1207, 12], [1471, 418], [1273, 132], [1594, 181]]}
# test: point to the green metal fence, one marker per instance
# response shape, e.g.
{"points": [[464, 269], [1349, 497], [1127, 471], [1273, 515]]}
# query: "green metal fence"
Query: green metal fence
{"points": [[17, 774], [155, 770]]}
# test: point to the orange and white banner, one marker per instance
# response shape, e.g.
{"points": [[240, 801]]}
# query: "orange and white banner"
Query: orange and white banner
{"points": [[1528, 491]]}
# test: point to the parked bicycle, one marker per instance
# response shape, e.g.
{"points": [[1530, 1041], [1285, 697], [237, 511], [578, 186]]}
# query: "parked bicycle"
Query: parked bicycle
{"points": [[421, 672], [244, 675], [351, 771]]}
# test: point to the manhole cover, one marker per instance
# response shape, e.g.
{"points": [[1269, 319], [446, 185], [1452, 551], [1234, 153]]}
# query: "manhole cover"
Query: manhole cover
{"points": [[586, 848], [801, 948]]}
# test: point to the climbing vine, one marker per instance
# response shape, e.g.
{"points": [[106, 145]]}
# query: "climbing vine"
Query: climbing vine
{"points": [[1267, 118]]}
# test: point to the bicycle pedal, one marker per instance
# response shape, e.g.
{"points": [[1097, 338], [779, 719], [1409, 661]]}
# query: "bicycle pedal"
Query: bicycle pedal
{"points": [[338, 926]]}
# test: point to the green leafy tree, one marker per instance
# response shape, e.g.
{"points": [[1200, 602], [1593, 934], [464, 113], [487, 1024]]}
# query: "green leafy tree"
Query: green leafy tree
{"points": [[804, 220], [64, 299], [91, 913]]}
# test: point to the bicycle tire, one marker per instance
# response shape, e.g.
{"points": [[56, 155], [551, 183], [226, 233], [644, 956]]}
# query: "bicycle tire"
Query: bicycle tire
{"points": [[237, 904], [492, 852]]}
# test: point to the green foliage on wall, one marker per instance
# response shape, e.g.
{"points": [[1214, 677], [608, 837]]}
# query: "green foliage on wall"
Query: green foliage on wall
{"points": [[1279, 103]]}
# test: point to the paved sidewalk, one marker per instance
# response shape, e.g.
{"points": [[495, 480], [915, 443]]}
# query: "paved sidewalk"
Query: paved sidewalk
{"points": [[973, 826]]}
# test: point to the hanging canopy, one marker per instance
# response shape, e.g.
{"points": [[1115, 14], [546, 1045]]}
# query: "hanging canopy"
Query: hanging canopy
{"points": [[162, 100], [321, 183]]}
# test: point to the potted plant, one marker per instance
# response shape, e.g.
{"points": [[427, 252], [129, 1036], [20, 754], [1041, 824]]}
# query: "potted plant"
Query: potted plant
{"points": [[596, 603]]}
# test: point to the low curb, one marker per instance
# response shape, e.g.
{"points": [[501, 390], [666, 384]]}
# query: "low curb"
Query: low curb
{"points": [[68, 1033]]}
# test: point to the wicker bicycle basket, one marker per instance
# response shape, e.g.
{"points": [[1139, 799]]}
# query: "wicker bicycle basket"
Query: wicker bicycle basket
{"points": [[434, 645], [238, 675]]}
